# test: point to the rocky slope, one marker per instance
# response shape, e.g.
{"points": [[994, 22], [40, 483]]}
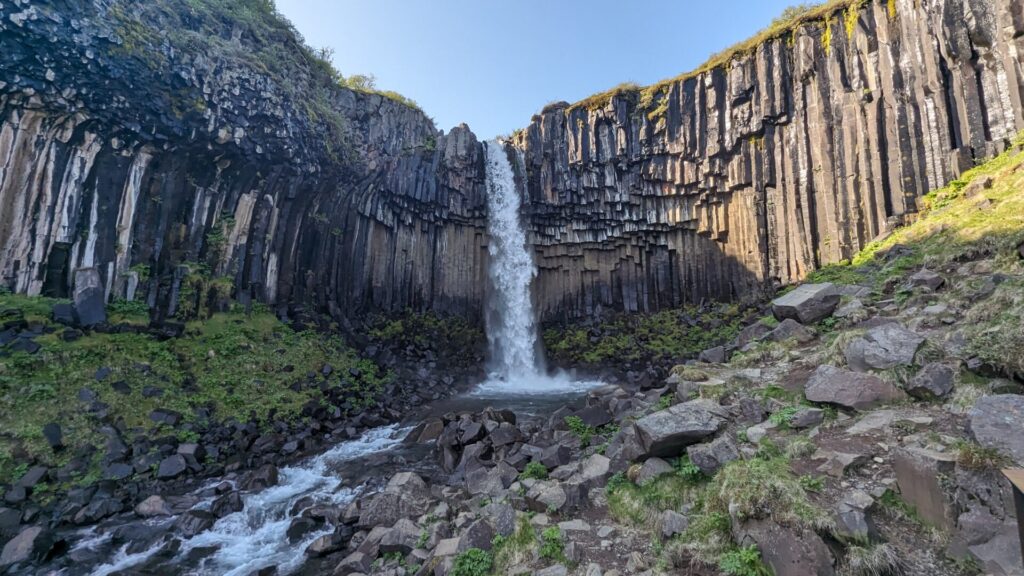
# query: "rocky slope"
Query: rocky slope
{"points": [[794, 155], [857, 429], [165, 141]]}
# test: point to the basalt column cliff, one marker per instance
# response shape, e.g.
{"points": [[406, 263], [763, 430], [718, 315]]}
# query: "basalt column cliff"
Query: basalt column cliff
{"points": [[792, 155], [184, 158], [187, 159]]}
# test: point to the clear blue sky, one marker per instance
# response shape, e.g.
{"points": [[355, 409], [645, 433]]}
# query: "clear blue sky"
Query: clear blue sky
{"points": [[494, 63]]}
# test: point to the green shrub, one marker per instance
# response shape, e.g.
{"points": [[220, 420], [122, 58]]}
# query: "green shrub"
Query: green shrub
{"points": [[579, 429], [552, 547], [783, 417], [472, 562], [687, 470], [534, 471], [743, 562]]}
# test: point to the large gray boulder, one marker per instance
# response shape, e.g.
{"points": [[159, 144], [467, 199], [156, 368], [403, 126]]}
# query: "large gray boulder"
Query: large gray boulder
{"points": [[89, 298], [919, 474], [405, 496], [998, 422], [853, 519], [546, 496], [852, 390], [883, 347], [790, 329], [34, 543], [787, 551], [668, 432], [807, 303]]}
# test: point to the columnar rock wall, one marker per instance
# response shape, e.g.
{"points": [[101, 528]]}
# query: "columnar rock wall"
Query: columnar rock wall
{"points": [[172, 169], [792, 157], [166, 149]]}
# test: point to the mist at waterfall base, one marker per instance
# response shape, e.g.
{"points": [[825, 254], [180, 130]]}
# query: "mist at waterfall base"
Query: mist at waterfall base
{"points": [[516, 363]]}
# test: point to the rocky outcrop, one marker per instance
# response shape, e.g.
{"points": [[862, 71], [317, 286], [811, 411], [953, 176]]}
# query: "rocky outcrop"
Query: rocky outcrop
{"points": [[164, 148], [794, 156]]}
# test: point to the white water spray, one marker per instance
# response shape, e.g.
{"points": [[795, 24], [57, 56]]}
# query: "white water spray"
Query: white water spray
{"points": [[516, 368], [511, 332], [257, 536]]}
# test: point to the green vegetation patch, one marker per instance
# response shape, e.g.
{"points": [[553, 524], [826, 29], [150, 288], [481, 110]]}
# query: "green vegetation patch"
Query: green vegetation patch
{"points": [[742, 490], [473, 562], [237, 366], [978, 216], [667, 335], [453, 338]]}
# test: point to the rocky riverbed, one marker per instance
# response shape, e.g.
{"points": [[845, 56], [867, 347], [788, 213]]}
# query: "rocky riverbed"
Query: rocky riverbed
{"points": [[891, 460]]}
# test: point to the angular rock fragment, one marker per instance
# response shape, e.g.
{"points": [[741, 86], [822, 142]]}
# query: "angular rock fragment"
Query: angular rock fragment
{"points": [[668, 432], [998, 422], [852, 390], [934, 381], [883, 347], [807, 303]]}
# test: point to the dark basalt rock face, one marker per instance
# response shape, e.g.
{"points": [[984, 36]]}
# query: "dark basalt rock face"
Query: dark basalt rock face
{"points": [[795, 156], [127, 149], [144, 141]]}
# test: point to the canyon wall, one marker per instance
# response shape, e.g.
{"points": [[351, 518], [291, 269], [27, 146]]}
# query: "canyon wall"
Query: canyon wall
{"points": [[795, 155], [153, 143], [191, 155]]}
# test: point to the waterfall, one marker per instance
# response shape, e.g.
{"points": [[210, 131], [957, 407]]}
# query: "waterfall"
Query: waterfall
{"points": [[511, 330], [516, 366]]}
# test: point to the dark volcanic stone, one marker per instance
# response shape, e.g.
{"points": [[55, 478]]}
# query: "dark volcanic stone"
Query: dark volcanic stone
{"points": [[118, 471], [63, 314], [89, 298], [169, 417], [262, 478], [227, 504], [299, 528], [172, 467], [54, 436], [195, 522], [25, 345]]}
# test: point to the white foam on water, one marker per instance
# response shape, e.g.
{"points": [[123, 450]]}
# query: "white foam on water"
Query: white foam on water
{"points": [[532, 384], [257, 537], [123, 560]]}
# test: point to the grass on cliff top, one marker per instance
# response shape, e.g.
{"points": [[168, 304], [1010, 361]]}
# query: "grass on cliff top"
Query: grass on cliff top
{"points": [[239, 366], [667, 335], [784, 26]]}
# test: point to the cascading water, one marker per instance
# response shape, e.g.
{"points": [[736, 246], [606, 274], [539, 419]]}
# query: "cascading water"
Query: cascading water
{"points": [[511, 332], [516, 367]]}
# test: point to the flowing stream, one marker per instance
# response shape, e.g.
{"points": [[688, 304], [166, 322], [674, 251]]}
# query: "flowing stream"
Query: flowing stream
{"points": [[257, 536]]}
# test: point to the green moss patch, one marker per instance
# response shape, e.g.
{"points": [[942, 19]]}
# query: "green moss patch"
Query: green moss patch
{"points": [[236, 366], [664, 336]]}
